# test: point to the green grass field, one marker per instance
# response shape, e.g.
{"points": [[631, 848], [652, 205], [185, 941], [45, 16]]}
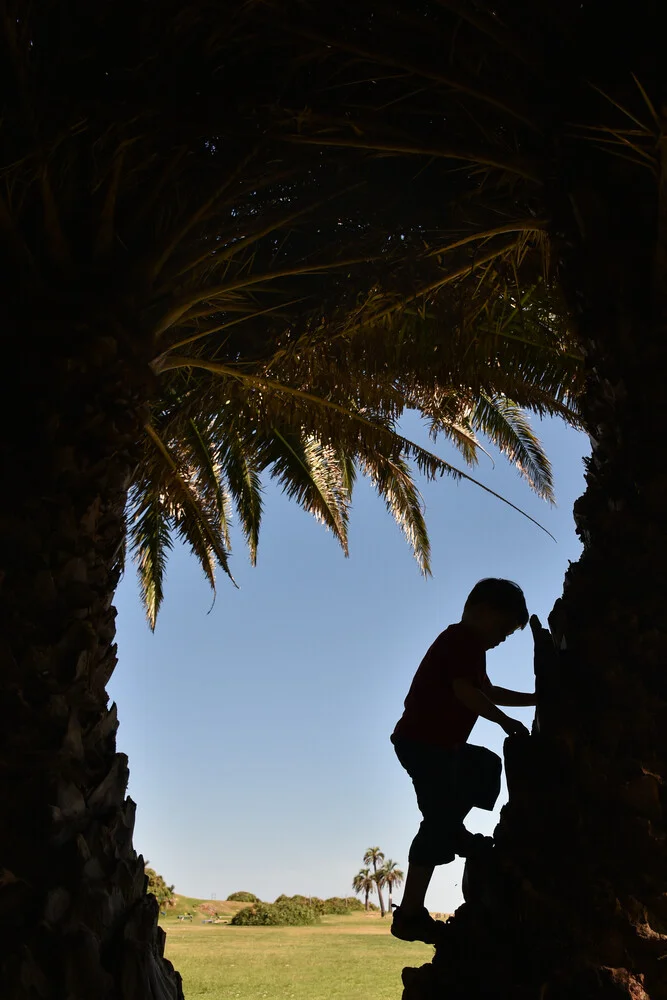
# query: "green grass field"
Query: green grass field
{"points": [[343, 958]]}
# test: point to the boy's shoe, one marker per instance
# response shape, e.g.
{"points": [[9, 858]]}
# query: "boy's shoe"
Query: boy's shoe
{"points": [[415, 926]]}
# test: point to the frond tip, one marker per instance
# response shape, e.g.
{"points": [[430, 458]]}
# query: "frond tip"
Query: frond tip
{"points": [[175, 495], [150, 539], [394, 483], [507, 425]]}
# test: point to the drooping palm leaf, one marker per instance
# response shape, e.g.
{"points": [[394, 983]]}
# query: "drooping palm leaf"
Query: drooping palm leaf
{"points": [[174, 494], [508, 427], [150, 530], [243, 479], [394, 483], [310, 473]]}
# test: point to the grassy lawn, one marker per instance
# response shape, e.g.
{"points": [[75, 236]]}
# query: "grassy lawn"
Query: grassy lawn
{"points": [[344, 958]]}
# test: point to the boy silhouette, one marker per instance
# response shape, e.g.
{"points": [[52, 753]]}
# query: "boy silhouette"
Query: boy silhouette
{"points": [[448, 693]]}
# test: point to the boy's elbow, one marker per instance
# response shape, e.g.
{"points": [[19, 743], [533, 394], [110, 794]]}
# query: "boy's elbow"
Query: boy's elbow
{"points": [[467, 693]]}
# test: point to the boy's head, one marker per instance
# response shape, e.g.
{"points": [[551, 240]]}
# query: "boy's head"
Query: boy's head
{"points": [[495, 608]]}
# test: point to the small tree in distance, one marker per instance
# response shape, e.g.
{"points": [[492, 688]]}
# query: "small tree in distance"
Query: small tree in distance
{"points": [[392, 876], [364, 882], [158, 887]]}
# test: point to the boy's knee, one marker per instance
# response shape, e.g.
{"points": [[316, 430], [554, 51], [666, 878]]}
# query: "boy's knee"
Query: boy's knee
{"points": [[434, 846], [426, 858]]}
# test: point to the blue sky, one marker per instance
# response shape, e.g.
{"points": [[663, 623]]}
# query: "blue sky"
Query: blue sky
{"points": [[258, 730]]}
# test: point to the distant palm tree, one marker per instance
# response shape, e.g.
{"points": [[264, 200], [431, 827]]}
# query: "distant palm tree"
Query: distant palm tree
{"points": [[392, 876], [374, 856], [363, 882]]}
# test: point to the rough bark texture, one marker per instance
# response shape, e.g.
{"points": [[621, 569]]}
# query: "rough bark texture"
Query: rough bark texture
{"points": [[571, 901], [75, 920]]}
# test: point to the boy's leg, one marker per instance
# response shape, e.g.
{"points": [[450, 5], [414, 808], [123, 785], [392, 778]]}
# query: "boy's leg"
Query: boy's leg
{"points": [[411, 921], [477, 783], [416, 885], [431, 773]]}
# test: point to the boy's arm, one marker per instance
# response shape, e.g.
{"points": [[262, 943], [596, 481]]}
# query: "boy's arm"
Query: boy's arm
{"points": [[475, 699], [517, 699]]}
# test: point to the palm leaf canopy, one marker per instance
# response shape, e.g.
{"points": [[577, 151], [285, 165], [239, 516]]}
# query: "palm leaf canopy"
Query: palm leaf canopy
{"points": [[373, 855], [284, 280], [363, 881], [393, 875], [499, 134]]}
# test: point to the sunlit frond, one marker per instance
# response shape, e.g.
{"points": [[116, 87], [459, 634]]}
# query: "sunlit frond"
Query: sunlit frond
{"points": [[394, 483], [311, 474], [188, 507], [508, 427], [242, 474], [150, 531]]}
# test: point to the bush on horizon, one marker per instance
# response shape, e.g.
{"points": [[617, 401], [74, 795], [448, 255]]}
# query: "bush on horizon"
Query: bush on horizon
{"points": [[243, 897], [340, 905], [313, 902], [285, 913], [334, 905]]}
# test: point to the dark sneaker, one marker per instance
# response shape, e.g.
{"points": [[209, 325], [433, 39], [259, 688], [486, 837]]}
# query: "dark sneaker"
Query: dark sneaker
{"points": [[415, 926]]}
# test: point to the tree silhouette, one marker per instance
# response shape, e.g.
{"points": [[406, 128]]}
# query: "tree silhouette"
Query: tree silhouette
{"points": [[392, 876], [364, 882]]}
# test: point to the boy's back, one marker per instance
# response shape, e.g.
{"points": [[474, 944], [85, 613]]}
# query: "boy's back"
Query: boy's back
{"points": [[433, 714]]}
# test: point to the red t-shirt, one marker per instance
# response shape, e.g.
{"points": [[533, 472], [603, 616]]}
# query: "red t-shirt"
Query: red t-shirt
{"points": [[433, 714]]}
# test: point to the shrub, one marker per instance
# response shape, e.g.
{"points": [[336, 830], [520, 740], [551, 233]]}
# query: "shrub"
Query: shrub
{"points": [[312, 902], [354, 904], [279, 914], [340, 905], [158, 887], [257, 915], [334, 905], [243, 897]]}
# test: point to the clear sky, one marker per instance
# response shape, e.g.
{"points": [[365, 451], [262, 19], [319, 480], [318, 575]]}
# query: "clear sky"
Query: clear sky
{"points": [[258, 730]]}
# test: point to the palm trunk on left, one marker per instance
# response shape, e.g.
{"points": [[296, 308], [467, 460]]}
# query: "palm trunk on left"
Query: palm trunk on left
{"points": [[75, 919]]}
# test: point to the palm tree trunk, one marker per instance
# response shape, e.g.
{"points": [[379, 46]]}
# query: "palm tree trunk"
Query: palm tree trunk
{"points": [[571, 904], [75, 919], [377, 886], [366, 901]]}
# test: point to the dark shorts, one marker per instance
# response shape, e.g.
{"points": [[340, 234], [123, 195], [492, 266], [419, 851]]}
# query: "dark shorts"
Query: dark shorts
{"points": [[448, 783]]}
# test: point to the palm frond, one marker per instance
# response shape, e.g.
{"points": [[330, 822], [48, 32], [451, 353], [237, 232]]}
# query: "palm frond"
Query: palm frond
{"points": [[508, 427], [310, 473], [150, 538], [195, 521], [204, 461], [392, 480], [242, 474]]}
